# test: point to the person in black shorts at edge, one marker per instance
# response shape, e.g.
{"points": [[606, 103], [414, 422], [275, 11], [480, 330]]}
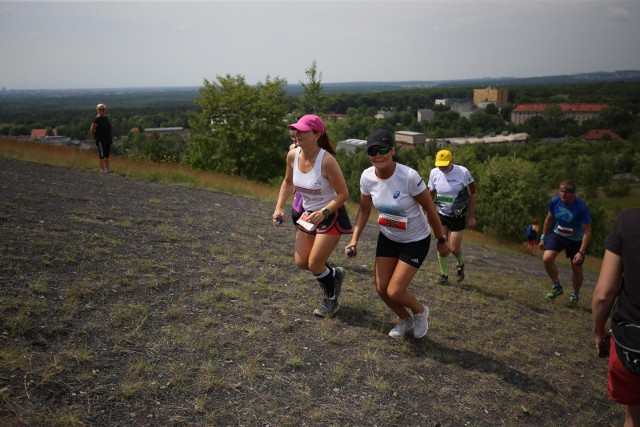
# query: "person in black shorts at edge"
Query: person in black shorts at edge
{"points": [[617, 294], [101, 132]]}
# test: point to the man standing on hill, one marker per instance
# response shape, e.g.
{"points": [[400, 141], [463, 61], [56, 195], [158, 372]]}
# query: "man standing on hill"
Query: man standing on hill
{"points": [[101, 132], [571, 221]]}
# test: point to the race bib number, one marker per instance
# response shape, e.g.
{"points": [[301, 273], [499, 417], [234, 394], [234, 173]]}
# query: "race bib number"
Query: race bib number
{"points": [[444, 199], [304, 223], [393, 221], [565, 231]]}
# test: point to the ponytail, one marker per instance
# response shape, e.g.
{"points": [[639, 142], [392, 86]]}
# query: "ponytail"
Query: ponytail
{"points": [[325, 143]]}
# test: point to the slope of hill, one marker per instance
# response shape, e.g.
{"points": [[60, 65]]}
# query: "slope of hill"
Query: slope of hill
{"points": [[127, 302]]}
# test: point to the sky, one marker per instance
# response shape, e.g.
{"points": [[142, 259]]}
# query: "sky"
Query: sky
{"points": [[123, 44]]}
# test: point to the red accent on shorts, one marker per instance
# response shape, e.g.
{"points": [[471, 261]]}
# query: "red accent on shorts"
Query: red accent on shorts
{"points": [[624, 387]]}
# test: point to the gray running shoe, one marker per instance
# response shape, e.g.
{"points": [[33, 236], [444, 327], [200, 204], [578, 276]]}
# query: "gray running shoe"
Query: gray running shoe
{"points": [[328, 308], [443, 279], [460, 273], [401, 328], [421, 323]]}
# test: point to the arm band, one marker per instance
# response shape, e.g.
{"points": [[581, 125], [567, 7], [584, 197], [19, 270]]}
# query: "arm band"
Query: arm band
{"points": [[542, 237]]}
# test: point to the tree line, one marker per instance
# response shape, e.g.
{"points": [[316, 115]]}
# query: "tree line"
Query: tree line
{"points": [[240, 129]]}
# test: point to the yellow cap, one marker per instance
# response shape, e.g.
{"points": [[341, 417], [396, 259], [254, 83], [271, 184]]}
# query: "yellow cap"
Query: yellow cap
{"points": [[444, 158]]}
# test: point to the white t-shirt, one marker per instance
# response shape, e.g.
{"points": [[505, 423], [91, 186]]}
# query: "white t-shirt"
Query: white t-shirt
{"points": [[316, 191], [448, 187], [400, 216]]}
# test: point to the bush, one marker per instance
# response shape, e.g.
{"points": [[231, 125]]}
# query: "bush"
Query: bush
{"points": [[509, 196], [615, 189]]}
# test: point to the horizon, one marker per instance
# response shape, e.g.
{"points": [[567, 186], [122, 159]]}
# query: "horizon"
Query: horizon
{"points": [[299, 84]]}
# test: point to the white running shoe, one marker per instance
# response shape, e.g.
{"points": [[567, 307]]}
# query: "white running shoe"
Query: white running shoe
{"points": [[421, 323], [401, 328]]}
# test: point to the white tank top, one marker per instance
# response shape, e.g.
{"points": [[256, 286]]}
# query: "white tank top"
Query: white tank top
{"points": [[316, 191]]}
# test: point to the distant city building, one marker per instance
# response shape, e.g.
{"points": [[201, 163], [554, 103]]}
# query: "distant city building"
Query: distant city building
{"points": [[484, 97], [488, 139], [179, 131], [49, 136], [600, 134], [405, 138], [381, 115], [41, 133], [425, 115], [58, 139], [577, 112], [463, 106], [455, 102], [350, 145], [334, 117]]}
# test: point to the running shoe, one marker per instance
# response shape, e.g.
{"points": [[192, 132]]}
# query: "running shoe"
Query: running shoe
{"points": [[421, 323], [328, 308], [443, 279], [338, 282], [460, 273], [401, 328], [554, 292], [573, 300]]}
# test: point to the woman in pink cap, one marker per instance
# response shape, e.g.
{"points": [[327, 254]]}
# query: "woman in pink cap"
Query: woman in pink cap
{"points": [[319, 180]]}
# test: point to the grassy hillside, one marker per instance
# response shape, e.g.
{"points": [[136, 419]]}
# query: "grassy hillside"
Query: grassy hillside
{"points": [[144, 297]]}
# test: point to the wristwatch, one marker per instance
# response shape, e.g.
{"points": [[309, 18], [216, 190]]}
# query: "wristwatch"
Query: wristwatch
{"points": [[326, 213], [442, 240]]}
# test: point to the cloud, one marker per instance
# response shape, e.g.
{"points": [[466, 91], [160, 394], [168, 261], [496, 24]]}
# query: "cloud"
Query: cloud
{"points": [[619, 14]]}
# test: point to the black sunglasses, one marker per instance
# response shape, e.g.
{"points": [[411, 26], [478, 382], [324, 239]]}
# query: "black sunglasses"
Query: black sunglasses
{"points": [[372, 151]]}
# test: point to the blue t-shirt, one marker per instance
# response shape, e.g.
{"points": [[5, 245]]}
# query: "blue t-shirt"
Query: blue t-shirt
{"points": [[569, 218]]}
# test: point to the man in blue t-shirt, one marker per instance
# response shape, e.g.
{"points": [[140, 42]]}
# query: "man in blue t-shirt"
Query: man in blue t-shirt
{"points": [[571, 223]]}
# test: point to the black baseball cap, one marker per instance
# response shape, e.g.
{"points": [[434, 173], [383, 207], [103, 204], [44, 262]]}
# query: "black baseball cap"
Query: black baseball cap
{"points": [[380, 138]]}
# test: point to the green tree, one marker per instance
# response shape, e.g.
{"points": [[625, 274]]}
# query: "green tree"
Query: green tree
{"points": [[313, 99], [553, 116], [491, 109], [509, 197], [156, 148], [352, 166], [483, 123], [235, 130]]}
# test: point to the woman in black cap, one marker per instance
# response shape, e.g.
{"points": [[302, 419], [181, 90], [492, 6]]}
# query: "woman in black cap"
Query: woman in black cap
{"points": [[401, 198]]}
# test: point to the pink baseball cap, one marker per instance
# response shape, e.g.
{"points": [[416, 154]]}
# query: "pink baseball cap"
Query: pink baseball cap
{"points": [[307, 123]]}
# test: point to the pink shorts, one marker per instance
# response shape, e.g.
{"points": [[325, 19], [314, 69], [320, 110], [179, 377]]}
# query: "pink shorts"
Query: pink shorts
{"points": [[624, 387]]}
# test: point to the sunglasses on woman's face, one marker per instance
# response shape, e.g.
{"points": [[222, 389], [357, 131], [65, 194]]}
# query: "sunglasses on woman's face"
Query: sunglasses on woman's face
{"points": [[372, 151]]}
